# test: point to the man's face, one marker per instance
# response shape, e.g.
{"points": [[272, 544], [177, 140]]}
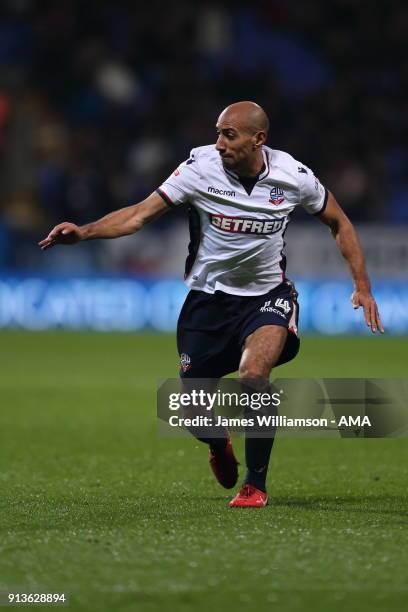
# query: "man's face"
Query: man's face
{"points": [[234, 143]]}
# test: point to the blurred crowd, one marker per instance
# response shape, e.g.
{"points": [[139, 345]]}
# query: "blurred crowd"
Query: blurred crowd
{"points": [[101, 100]]}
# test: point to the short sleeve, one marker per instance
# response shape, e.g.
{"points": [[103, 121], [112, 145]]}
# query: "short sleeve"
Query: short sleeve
{"points": [[180, 187], [313, 196]]}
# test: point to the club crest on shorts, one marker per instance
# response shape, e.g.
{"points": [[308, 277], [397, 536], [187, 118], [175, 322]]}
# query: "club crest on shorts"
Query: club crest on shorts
{"points": [[185, 362], [276, 196]]}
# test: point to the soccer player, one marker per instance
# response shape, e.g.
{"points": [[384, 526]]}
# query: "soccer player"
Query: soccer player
{"points": [[241, 312]]}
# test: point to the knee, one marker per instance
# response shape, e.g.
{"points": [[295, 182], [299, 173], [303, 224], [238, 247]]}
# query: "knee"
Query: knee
{"points": [[254, 374]]}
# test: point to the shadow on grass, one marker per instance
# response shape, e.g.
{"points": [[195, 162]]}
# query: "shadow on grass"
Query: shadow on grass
{"points": [[376, 504]]}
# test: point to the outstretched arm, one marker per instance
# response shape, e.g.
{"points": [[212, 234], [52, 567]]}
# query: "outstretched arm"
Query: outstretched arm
{"points": [[349, 245], [118, 223]]}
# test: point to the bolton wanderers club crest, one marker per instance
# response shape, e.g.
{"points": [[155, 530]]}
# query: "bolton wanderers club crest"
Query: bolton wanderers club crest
{"points": [[185, 362], [276, 196]]}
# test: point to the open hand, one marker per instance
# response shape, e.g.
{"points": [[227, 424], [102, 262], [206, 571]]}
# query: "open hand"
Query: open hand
{"points": [[371, 314], [64, 233]]}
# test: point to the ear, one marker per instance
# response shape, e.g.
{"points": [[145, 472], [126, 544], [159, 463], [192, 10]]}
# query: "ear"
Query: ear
{"points": [[259, 139]]}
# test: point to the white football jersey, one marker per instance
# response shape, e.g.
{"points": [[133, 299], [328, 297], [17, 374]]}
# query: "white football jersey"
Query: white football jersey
{"points": [[236, 238]]}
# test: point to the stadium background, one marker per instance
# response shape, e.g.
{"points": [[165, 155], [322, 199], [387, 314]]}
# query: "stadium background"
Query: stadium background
{"points": [[99, 101], [98, 106]]}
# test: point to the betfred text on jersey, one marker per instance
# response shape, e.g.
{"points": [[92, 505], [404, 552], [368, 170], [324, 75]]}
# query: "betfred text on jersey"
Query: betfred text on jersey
{"points": [[246, 226], [224, 192]]}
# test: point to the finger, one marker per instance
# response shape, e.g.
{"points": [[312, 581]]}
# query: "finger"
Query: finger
{"points": [[47, 240], [48, 245], [378, 320], [373, 318], [55, 232], [367, 314], [58, 230]]}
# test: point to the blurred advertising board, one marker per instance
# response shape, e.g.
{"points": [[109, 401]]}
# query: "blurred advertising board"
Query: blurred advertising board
{"points": [[131, 304]]}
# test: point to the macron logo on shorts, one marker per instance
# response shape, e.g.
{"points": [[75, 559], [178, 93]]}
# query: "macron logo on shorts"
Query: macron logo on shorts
{"points": [[268, 308], [245, 226]]}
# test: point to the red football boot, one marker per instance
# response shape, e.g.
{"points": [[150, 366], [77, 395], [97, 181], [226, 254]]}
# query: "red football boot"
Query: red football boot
{"points": [[224, 465], [249, 497]]}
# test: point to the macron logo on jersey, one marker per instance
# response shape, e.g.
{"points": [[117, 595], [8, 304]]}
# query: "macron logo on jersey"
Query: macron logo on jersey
{"points": [[224, 192], [245, 225]]}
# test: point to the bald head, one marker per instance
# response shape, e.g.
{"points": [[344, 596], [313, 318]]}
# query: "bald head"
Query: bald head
{"points": [[247, 116], [242, 129]]}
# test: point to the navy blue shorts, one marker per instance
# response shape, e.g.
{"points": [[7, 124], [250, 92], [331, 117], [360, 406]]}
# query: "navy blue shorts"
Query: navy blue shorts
{"points": [[212, 328]]}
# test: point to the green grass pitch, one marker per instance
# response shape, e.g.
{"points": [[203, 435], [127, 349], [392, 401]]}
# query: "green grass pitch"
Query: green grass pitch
{"points": [[94, 504]]}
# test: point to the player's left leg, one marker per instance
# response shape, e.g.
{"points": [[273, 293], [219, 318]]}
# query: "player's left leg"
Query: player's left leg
{"points": [[261, 353], [269, 339]]}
